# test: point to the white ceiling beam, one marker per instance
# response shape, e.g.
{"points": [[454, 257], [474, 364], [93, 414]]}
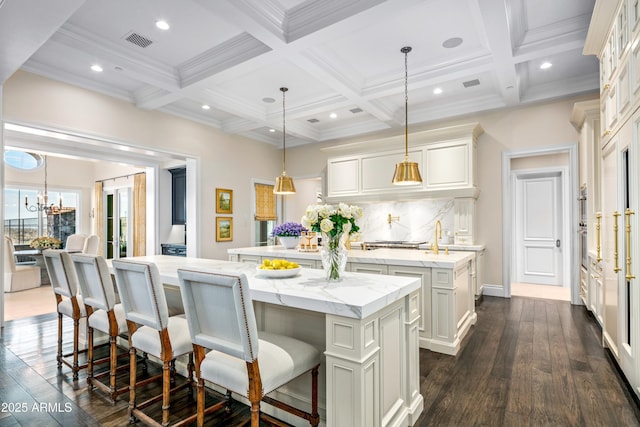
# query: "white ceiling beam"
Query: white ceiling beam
{"points": [[25, 26], [495, 25]]}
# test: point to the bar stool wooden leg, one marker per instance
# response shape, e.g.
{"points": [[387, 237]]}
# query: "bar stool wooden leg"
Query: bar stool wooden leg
{"points": [[166, 388], [132, 384], [90, 358], [113, 364], [59, 357], [76, 333], [315, 417]]}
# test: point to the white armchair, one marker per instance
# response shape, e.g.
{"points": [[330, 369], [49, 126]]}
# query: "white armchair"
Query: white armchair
{"points": [[18, 277], [91, 245], [75, 243]]}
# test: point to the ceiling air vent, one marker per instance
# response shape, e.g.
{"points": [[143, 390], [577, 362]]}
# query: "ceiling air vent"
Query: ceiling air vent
{"points": [[474, 82], [138, 40], [356, 110], [313, 120]]}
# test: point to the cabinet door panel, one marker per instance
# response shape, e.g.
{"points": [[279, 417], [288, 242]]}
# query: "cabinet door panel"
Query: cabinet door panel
{"points": [[358, 267], [343, 176], [424, 274], [449, 165]]}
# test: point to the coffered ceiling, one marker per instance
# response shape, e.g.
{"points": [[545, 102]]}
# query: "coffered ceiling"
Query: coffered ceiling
{"points": [[335, 56]]}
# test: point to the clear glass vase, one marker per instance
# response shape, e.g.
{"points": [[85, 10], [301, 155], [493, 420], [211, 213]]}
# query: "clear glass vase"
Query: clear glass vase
{"points": [[334, 256]]}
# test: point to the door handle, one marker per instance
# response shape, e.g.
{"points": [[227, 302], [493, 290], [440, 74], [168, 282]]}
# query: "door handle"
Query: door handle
{"points": [[627, 216], [598, 237], [558, 243], [616, 268]]}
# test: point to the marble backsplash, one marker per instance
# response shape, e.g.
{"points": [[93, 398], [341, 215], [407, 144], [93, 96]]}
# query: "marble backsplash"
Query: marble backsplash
{"points": [[412, 220]]}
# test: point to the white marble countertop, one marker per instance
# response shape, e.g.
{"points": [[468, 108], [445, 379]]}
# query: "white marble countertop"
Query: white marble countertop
{"points": [[405, 257], [358, 295]]}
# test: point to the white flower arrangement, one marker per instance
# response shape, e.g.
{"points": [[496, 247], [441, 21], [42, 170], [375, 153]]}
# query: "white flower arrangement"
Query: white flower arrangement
{"points": [[332, 220]]}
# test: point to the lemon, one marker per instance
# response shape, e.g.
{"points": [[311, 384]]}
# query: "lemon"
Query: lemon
{"points": [[277, 264]]}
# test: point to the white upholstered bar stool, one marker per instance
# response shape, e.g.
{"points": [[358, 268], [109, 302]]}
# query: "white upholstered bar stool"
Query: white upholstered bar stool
{"points": [[104, 315], [221, 318], [151, 330], [64, 283]]}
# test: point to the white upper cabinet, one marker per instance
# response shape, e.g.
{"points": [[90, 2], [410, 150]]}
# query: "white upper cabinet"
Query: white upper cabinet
{"points": [[450, 164], [446, 159], [343, 176]]}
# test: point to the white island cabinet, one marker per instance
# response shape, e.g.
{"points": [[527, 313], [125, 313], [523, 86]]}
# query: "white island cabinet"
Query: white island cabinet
{"points": [[366, 325], [447, 285]]}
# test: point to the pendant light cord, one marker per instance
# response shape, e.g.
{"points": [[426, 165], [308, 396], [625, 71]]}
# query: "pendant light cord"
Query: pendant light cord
{"points": [[406, 51], [45, 196], [284, 133]]}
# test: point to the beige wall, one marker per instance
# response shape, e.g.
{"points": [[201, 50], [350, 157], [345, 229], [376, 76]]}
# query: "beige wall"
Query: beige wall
{"points": [[539, 125], [537, 162], [224, 159]]}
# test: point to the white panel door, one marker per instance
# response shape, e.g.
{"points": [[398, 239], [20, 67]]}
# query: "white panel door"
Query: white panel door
{"points": [[539, 229]]}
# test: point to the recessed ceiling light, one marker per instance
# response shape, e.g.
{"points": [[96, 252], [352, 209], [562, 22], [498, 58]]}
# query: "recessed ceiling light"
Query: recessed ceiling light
{"points": [[162, 24], [96, 68], [452, 42], [437, 91], [206, 107], [333, 115], [268, 100], [545, 65], [272, 130]]}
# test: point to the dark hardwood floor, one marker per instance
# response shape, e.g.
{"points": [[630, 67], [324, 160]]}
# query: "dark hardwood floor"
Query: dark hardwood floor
{"points": [[527, 362]]}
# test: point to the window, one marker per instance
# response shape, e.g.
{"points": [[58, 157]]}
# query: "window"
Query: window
{"points": [[24, 220], [265, 213], [23, 160]]}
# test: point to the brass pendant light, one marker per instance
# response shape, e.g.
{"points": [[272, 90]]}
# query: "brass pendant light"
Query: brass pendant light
{"points": [[407, 173], [284, 183]]}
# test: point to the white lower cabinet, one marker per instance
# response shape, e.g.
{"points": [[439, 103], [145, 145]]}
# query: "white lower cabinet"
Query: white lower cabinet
{"points": [[453, 312], [250, 259], [361, 267], [424, 300], [596, 290]]}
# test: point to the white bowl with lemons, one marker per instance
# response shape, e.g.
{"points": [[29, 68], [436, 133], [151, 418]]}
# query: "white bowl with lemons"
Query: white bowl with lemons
{"points": [[278, 268]]}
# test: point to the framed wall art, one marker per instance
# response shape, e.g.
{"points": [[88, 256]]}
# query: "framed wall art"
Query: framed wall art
{"points": [[224, 229], [224, 201]]}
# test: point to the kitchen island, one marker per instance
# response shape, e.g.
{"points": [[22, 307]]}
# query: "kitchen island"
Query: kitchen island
{"points": [[366, 326], [447, 292]]}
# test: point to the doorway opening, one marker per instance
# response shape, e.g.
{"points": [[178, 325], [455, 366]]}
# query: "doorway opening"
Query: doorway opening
{"points": [[540, 249], [77, 146]]}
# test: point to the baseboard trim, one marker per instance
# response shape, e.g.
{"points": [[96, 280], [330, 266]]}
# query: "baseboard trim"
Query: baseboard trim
{"points": [[493, 291]]}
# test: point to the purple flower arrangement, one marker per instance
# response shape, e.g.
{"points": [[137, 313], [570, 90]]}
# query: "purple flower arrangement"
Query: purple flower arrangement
{"points": [[288, 229]]}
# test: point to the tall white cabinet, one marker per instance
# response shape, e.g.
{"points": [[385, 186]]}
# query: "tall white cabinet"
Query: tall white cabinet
{"points": [[614, 36]]}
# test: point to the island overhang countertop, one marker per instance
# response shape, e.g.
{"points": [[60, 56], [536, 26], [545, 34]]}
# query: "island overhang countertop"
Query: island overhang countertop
{"points": [[357, 296], [405, 257]]}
